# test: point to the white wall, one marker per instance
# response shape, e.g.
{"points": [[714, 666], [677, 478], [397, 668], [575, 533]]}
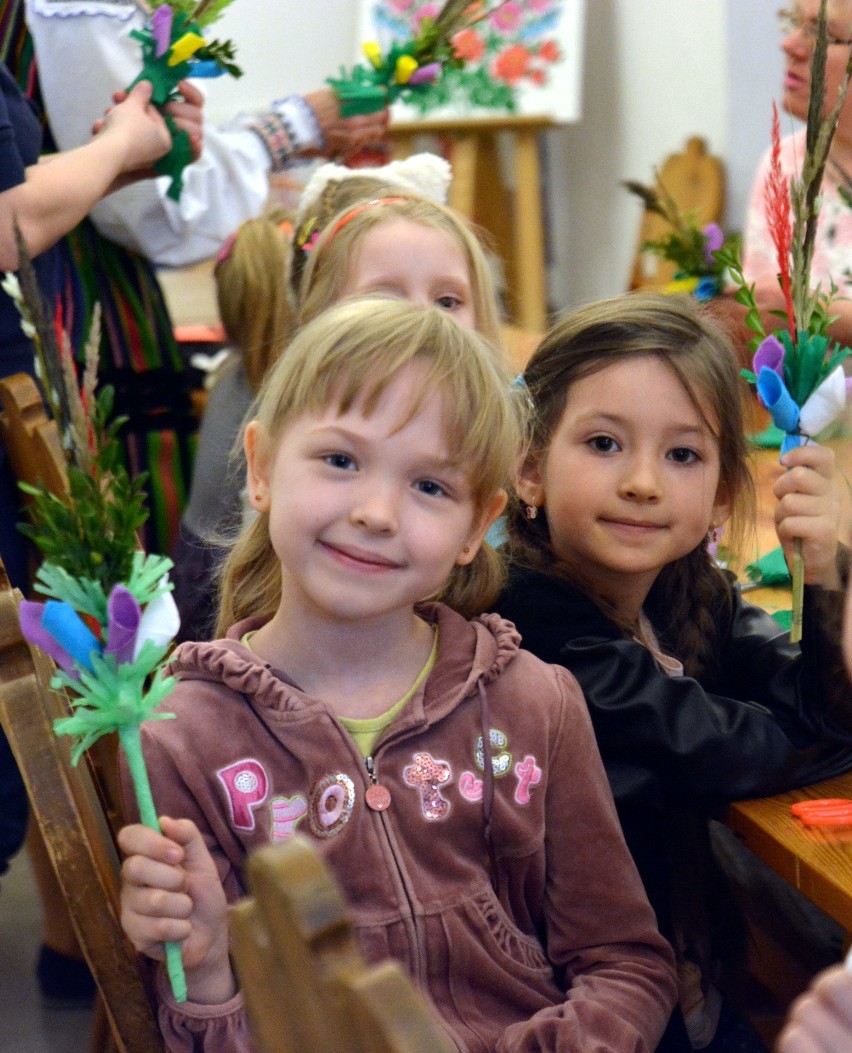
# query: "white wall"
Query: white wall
{"points": [[656, 72]]}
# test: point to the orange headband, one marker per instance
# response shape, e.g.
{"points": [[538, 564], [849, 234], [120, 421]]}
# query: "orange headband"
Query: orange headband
{"points": [[347, 217]]}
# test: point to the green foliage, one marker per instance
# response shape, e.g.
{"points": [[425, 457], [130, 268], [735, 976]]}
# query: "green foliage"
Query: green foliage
{"points": [[729, 257], [203, 14], [685, 249], [222, 52], [90, 532]]}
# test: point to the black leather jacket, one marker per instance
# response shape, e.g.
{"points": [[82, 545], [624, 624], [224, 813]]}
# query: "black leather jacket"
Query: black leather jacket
{"points": [[776, 716]]}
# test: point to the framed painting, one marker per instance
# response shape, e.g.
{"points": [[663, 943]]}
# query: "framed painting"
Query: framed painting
{"points": [[522, 59]]}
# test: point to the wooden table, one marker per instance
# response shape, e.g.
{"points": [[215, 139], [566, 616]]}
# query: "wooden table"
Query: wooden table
{"points": [[817, 861]]}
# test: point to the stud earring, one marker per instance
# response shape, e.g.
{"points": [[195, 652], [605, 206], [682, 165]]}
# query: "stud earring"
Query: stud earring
{"points": [[531, 511], [713, 535]]}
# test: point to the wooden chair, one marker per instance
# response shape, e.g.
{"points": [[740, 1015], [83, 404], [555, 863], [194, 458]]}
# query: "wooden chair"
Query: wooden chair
{"points": [[307, 988], [30, 437], [67, 809], [695, 180]]}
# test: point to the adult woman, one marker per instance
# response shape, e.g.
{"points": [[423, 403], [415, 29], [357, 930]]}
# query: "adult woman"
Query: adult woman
{"points": [[832, 255]]}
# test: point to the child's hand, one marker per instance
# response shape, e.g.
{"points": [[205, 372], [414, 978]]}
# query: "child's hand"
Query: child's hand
{"points": [[809, 508], [170, 891], [140, 124], [820, 1020], [149, 138]]}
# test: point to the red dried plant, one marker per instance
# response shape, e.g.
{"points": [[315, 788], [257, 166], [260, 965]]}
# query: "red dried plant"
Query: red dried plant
{"points": [[776, 195]]}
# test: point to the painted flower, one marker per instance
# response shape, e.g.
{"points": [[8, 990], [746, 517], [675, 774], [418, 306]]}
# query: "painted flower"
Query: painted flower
{"points": [[540, 6], [538, 77], [468, 45], [400, 5], [512, 64], [426, 11], [507, 17], [549, 51]]}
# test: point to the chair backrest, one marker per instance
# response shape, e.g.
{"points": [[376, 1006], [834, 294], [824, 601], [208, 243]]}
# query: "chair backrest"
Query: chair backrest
{"points": [[306, 986], [30, 437], [695, 180], [66, 807]]}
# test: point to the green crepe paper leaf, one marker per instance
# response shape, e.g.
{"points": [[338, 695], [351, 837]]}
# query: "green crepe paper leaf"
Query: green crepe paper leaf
{"points": [[175, 161], [748, 375], [111, 696], [769, 439], [784, 619], [146, 577], [83, 594], [770, 569]]}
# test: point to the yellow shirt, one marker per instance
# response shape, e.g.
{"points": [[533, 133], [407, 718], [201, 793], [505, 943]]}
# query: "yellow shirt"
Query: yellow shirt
{"points": [[366, 732]]}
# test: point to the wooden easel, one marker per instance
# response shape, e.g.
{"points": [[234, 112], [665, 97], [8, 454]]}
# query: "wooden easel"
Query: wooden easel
{"points": [[513, 217]]}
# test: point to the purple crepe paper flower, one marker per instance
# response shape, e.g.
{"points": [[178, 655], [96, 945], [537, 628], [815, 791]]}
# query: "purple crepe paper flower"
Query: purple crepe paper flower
{"points": [[30, 615], [161, 29], [769, 355], [425, 74], [59, 631], [714, 239], [123, 615]]}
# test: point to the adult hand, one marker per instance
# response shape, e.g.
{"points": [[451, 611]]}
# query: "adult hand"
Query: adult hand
{"points": [[345, 135]]}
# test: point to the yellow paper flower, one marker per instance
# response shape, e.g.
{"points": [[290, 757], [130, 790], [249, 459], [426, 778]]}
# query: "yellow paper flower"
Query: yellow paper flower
{"points": [[373, 52], [185, 48], [682, 285], [405, 66]]}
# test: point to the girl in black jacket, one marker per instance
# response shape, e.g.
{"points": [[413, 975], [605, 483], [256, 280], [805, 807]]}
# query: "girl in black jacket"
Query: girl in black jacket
{"points": [[638, 456]]}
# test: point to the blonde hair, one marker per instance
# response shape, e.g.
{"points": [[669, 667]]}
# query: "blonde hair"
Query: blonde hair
{"points": [[251, 290], [354, 351], [584, 341], [322, 271]]}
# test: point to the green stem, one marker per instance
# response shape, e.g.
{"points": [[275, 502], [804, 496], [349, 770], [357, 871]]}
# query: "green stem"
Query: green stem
{"points": [[131, 742], [798, 575]]}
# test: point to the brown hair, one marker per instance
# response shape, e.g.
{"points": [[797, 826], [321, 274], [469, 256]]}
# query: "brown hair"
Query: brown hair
{"points": [[318, 275], [687, 594], [354, 350], [251, 290]]}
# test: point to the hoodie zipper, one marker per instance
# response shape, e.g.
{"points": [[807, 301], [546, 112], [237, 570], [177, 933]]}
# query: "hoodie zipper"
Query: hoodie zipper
{"points": [[382, 801]]}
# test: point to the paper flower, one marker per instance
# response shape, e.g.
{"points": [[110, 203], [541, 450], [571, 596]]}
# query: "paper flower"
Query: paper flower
{"points": [[108, 620], [692, 249], [428, 42], [797, 369], [173, 48]]}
